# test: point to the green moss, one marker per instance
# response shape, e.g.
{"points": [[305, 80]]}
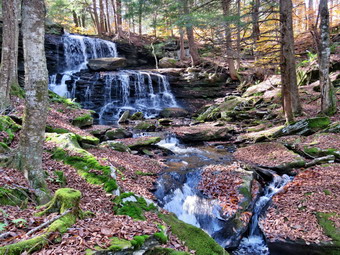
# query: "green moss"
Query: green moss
{"points": [[143, 143], [134, 208], [84, 165], [161, 237], [60, 178], [327, 192], [144, 174], [55, 98], [8, 126], [137, 116], [88, 139], [16, 90], [165, 251], [56, 130], [118, 244], [83, 120], [329, 227], [317, 152], [195, 238], [29, 245], [13, 197], [319, 122], [138, 241], [145, 126], [3, 147]]}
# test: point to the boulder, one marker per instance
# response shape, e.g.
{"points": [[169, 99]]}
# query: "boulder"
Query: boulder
{"points": [[145, 126], [137, 116], [106, 64], [167, 62], [264, 86], [204, 132], [118, 133], [124, 117], [173, 112], [84, 120], [165, 122], [304, 127], [117, 146]]}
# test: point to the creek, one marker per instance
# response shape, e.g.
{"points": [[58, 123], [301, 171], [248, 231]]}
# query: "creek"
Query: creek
{"points": [[177, 192]]}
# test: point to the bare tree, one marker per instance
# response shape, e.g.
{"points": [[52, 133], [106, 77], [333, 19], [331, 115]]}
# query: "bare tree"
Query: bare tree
{"points": [[9, 56], [290, 96], [36, 100], [228, 42], [328, 98], [190, 34]]}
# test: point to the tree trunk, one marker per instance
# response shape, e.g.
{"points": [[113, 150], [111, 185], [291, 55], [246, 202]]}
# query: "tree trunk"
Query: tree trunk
{"points": [[238, 44], [96, 18], [36, 100], [75, 18], [140, 12], [108, 18], [102, 17], [310, 15], [228, 42], [256, 27], [181, 45], [290, 97], [190, 34], [119, 18], [9, 56], [328, 98]]}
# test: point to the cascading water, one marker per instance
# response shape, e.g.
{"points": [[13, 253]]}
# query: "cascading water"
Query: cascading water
{"points": [[177, 192], [108, 93], [133, 90], [255, 243]]}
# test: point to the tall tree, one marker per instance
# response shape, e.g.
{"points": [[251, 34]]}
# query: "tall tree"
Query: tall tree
{"points": [[36, 99], [9, 55], [328, 98], [228, 42], [290, 96], [195, 58]]}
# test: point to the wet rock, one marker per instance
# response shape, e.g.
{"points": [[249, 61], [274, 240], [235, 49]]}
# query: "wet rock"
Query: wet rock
{"points": [[117, 146], [137, 116], [141, 143], [106, 64], [145, 126], [173, 112], [165, 122], [124, 118]]}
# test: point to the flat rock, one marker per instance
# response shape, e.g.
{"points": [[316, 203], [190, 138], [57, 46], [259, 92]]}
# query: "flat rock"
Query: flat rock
{"points": [[106, 64]]}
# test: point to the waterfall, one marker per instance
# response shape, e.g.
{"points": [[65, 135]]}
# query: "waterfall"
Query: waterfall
{"points": [[77, 51], [108, 93], [134, 91]]}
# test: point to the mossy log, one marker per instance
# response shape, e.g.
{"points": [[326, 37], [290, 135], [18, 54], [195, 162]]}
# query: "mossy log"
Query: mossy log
{"points": [[64, 200]]}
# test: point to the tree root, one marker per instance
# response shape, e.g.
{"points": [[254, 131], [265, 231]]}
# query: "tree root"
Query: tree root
{"points": [[66, 202]]}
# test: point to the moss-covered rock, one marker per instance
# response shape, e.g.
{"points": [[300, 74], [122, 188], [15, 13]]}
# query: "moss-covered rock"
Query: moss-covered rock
{"points": [[117, 146], [329, 227], [124, 118], [67, 141], [145, 126], [132, 205], [84, 120], [195, 238], [118, 133], [264, 86], [304, 127], [173, 112], [140, 143], [87, 140], [137, 116], [9, 128], [260, 136], [118, 244], [55, 98]]}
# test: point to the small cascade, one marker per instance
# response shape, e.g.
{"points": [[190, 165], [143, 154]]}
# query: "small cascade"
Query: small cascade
{"points": [[77, 51], [255, 243], [135, 91]]}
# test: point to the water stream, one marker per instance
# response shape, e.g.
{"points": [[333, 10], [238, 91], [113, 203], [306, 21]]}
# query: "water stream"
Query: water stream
{"points": [[177, 192]]}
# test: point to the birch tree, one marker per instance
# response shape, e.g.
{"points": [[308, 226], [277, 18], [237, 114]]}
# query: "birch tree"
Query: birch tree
{"points": [[9, 55], [36, 98], [328, 98]]}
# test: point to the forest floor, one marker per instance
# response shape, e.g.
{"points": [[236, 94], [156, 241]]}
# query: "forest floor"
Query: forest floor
{"points": [[294, 214]]}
